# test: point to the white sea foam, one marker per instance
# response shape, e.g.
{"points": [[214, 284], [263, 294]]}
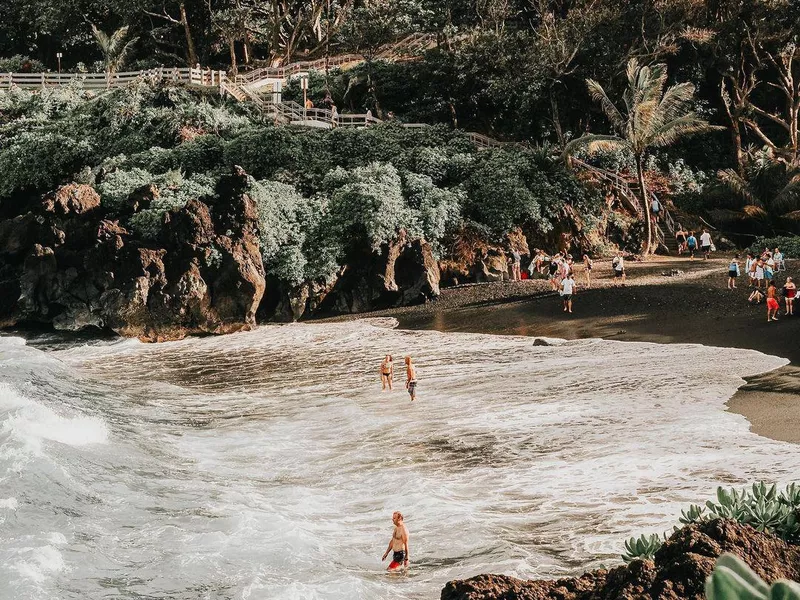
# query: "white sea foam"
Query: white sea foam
{"points": [[267, 464]]}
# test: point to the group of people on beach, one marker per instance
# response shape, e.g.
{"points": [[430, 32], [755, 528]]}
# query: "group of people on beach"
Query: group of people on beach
{"points": [[761, 270], [387, 375], [688, 243]]}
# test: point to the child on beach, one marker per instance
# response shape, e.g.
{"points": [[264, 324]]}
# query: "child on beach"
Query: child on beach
{"points": [[733, 272], [789, 292], [618, 265], [772, 303], [691, 245]]}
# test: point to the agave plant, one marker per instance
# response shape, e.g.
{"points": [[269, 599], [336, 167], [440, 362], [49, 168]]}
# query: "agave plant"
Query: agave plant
{"points": [[645, 546], [790, 496], [732, 579]]}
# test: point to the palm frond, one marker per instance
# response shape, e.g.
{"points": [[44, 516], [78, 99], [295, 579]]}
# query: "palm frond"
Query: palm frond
{"points": [[736, 184], [788, 198], [596, 143], [672, 131], [599, 95]]}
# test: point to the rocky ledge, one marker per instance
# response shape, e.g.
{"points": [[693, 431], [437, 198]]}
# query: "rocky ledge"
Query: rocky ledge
{"points": [[68, 262], [679, 570]]}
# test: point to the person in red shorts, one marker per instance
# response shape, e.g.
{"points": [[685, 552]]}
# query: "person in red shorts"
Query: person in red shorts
{"points": [[772, 303], [398, 545]]}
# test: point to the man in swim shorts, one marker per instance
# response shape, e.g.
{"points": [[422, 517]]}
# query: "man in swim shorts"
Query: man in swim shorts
{"points": [[398, 545], [411, 379], [772, 303]]}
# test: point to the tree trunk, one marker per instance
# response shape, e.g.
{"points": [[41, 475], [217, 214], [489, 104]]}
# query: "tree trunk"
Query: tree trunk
{"points": [[556, 119], [645, 206], [232, 47], [190, 49], [247, 53]]}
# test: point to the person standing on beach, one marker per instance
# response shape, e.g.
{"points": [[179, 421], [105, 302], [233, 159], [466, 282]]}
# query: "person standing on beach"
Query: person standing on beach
{"points": [[387, 372], [705, 244], [398, 545], [554, 268], [733, 272], [789, 292], [516, 266], [759, 272], [411, 378], [567, 289], [749, 268], [691, 245], [772, 303], [618, 265], [587, 269]]}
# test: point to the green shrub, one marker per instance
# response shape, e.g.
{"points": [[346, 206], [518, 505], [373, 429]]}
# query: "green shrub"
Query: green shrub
{"points": [[732, 579], [789, 245], [21, 64]]}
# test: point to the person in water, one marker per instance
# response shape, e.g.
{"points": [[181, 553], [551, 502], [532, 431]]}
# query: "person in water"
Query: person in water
{"points": [[411, 378], [398, 545], [387, 372]]}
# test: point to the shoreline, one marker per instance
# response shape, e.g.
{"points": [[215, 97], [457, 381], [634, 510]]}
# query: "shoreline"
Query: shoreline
{"points": [[693, 307]]}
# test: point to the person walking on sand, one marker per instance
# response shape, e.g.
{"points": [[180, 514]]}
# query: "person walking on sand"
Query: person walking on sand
{"points": [[705, 244], [691, 245], [772, 303], [618, 264], [789, 292], [587, 270], [398, 545], [680, 238], [387, 373], [733, 272], [411, 378], [567, 289]]}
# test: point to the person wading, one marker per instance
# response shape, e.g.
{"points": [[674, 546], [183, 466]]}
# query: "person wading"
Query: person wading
{"points": [[411, 379], [398, 545], [387, 373]]}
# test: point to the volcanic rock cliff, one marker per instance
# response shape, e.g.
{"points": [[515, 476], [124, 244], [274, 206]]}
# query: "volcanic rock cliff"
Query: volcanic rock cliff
{"points": [[68, 263], [679, 570]]}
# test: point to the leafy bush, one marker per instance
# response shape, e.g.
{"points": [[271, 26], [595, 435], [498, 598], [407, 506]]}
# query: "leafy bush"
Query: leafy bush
{"points": [[21, 64], [732, 579], [789, 245]]}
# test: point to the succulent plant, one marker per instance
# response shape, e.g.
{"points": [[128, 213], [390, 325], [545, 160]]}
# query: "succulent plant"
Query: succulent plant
{"points": [[695, 514], [732, 579], [645, 546]]}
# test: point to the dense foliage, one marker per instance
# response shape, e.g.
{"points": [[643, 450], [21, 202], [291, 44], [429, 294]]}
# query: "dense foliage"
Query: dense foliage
{"points": [[323, 197]]}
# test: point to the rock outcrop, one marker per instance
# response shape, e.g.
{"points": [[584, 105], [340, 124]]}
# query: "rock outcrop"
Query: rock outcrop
{"points": [[679, 570], [69, 264]]}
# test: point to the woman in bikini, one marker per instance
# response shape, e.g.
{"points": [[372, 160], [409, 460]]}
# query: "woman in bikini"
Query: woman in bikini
{"points": [[789, 291], [387, 372], [587, 269]]}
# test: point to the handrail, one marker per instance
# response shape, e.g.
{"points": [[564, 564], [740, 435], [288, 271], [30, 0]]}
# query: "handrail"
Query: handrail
{"points": [[615, 180], [203, 77]]}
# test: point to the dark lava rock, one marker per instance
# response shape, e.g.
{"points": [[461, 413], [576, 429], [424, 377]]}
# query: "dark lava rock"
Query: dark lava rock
{"points": [[679, 570], [75, 269], [541, 342]]}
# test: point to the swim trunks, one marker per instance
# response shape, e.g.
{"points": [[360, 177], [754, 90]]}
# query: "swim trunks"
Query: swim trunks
{"points": [[772, 304], [398, 558], [412, 386]]}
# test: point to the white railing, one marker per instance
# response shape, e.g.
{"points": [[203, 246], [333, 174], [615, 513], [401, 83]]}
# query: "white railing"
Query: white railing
{"points": [[193, 76]]}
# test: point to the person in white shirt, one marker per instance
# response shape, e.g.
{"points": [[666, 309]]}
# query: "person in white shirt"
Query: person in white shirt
{"points": [[705, 244], [618, 264], [567, 289]]}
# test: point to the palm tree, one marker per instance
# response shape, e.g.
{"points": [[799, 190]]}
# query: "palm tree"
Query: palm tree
{"points": [[114, 47], [654, 117], [768, 196]]}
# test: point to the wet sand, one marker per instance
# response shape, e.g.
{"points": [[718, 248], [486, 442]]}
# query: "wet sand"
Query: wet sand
{"points": [[693, 307]]}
